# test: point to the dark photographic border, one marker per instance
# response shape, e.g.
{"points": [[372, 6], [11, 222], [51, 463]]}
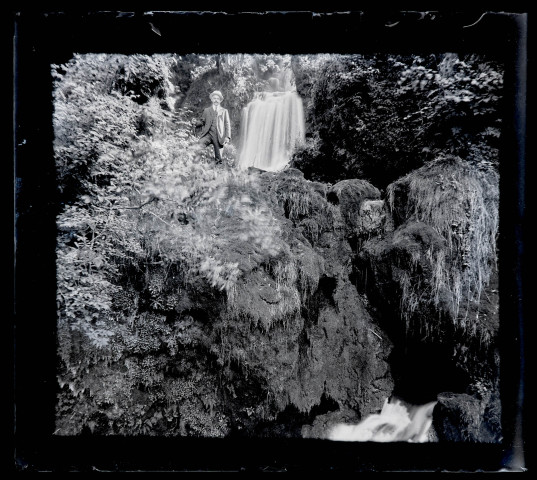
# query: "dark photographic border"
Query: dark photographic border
{"points": [[43, 38]]}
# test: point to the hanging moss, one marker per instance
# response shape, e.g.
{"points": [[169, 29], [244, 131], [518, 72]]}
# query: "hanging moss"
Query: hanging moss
{"points": [[302, 201], [459, 200]]}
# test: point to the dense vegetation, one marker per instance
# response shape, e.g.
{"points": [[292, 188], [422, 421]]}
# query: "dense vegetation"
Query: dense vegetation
{"points": [[141, 220], [192, 298], [379, 117]]}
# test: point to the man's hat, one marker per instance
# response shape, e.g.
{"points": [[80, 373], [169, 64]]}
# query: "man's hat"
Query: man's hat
{"points": [[217, 92]]}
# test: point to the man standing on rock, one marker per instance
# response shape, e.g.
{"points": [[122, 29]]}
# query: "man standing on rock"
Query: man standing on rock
{"points": [[216, 126]]}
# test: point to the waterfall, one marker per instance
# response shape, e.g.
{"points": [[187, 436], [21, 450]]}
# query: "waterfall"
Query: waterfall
{"points": [[395, 423], [272, 126]]}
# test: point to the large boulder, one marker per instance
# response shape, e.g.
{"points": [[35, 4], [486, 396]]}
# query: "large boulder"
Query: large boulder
{"points": [[460, 417], [349, 194], [400, 266], [354, 198], [441, 256], [297, 328]]}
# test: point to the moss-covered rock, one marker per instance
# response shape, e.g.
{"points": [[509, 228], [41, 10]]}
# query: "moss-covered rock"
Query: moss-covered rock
{"points": [[468, 418], [460, 201], [360, 206], [401, 266], [297, 326], [445, 216], [291, 340]]}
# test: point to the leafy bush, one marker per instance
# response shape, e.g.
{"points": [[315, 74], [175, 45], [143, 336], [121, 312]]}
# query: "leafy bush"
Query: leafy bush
{"points": [[381, 116], [458, 104]]}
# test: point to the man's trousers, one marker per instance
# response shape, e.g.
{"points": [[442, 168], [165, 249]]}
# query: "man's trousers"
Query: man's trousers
{"points": [[206, 140]]}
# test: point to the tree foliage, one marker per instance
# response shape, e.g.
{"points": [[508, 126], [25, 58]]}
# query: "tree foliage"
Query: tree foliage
{"points": [[381, 116]]}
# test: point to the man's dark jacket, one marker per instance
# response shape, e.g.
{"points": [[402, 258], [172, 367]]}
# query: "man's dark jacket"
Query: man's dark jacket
{"points": [[223, 125]]}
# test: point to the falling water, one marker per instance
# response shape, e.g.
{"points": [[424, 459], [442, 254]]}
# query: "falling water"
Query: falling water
{"points": [[272, 126], [395, 423]]}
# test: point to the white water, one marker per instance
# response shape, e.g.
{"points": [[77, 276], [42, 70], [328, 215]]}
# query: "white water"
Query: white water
{"points": [[395, 423], [272, 126]]}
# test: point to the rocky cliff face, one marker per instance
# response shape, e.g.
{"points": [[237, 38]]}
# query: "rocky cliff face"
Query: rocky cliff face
{"points": [[308, 345], [342, 318], [292, 341]]}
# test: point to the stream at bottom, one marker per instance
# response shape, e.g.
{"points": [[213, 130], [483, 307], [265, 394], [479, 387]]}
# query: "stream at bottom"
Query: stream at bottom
{"points": [[396, 422]]}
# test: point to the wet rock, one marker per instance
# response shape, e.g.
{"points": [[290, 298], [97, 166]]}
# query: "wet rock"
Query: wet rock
{"points": [[373, 217], [460, 417], [345, 359], [350, 195]]}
